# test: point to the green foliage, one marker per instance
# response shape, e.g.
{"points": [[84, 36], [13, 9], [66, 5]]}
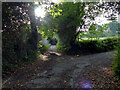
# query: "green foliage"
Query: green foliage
{"points": [[111, 29], [93, 46], [43, 47], [19, 38], [116, 65], [63, 18], [66, 23], [95, 31], [47, 27], [67, 16], [61, 47], [116, 57]]}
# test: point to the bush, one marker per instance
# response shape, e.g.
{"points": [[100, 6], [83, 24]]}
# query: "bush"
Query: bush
{"points": [[116, 63], [93, 46], [10, 65], [44, 47], [52, 41], [60, 47]]}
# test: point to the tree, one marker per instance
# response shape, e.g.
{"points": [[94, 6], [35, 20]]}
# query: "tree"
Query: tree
{"points": [[19, 34], [67, 16], [71, 16], [116, 64], [34, 35]]}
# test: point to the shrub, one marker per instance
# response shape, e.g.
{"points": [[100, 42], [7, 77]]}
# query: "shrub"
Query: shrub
{"points": [[116, 63], [94, 46], [44, 47], [60, 47]]}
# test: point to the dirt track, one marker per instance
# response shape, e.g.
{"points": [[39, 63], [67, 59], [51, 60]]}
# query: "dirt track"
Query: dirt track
{"points": [[54, 70]]}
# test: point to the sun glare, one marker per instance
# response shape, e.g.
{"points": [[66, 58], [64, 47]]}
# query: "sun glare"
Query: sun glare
{"points": [[56, 1], [40, 12], [101, 20], [36, 2]]}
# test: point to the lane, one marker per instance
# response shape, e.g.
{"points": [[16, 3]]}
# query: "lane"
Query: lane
{"points": [[53, 48], [60, 71], [67, 69]]}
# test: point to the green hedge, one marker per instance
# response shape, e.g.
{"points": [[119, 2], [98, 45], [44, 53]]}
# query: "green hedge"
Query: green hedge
{"points": [[116, 63], [93, 46]]}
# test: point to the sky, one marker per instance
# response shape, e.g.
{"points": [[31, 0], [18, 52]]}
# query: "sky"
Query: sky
{"points": [[98, 20], [101, 20]]}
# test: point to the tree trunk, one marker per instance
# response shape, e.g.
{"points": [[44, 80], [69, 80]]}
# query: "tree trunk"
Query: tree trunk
{"points": [[34, 35], [72, 42]]}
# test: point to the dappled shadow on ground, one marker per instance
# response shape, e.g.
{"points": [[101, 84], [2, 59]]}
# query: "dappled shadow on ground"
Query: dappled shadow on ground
{"points": [[48, 55], [55, 70], [19, 76], [97, 77]]}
